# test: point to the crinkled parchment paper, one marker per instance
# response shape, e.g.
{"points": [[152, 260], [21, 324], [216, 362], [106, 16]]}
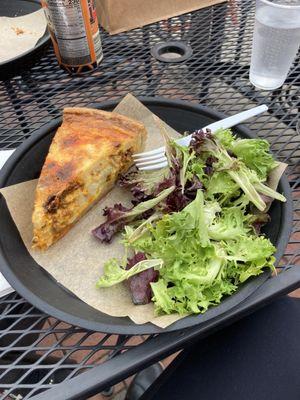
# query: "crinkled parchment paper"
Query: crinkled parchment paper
{"points": [[20, 34], [77, 259]]}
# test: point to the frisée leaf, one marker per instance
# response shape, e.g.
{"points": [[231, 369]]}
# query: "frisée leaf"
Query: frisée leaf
{"points": [[255, 155]]}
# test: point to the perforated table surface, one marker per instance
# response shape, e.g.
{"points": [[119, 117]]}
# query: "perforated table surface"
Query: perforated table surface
{"points": [[43, 358]]}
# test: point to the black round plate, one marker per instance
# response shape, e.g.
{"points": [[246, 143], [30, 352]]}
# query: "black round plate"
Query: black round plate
{"points": [[17, 8], [41, 290]]}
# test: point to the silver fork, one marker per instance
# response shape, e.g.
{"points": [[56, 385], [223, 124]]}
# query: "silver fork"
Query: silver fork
{"points": [[155, 159]]}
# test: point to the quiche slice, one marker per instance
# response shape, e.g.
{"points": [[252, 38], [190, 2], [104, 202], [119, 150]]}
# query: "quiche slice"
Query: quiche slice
{"points": [[89, 151]]}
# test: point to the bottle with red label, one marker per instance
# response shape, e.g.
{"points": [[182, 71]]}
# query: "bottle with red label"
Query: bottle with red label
{"points": [[73, 26]]}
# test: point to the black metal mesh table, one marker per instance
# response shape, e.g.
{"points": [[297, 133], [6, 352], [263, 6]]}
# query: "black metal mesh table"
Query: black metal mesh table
{"points": [[37, 352]]}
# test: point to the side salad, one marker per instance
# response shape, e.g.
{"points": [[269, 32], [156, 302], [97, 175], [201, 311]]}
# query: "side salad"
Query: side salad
{"points": [[193, 234]]}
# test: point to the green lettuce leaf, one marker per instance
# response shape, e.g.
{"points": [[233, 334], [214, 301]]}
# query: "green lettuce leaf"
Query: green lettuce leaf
{"points": [[249, 256], [222, 186], [225, 137], [211, 209], [232, 223], [246, 178], [114, 273], [196, 166], [186, 158], [255, 155], [249, 248]]}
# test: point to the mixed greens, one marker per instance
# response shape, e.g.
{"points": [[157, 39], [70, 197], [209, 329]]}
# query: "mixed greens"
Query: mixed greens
{"points": [[193, 233]]}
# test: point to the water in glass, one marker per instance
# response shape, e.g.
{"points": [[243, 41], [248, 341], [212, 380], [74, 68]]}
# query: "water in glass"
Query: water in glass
{"points": [[275, 43]]}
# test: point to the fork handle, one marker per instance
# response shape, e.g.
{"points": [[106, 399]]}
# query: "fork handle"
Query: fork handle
{"points": [[227, 122]]}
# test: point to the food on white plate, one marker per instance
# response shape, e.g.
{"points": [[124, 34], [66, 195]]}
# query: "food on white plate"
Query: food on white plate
{"points": [[194, 232], [88, 153]]}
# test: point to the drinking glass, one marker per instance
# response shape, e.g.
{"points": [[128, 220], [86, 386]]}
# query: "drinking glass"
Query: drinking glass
{"points": [[276, 40]]}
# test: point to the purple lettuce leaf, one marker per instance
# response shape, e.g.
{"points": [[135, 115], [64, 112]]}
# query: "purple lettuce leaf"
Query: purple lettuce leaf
{"points": [[118, 216], [191, 187], [198, 139], [134, 183], [209, 169], [146, 185], [115, 221], [139, 284], [260, 220], [176, 201]]}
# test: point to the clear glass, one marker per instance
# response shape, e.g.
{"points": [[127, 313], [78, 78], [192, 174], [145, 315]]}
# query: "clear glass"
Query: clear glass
{"points": [[276, 40]]}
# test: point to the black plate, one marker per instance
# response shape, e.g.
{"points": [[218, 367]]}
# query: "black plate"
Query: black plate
{"points": [[40, 289], [17, 8]]}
